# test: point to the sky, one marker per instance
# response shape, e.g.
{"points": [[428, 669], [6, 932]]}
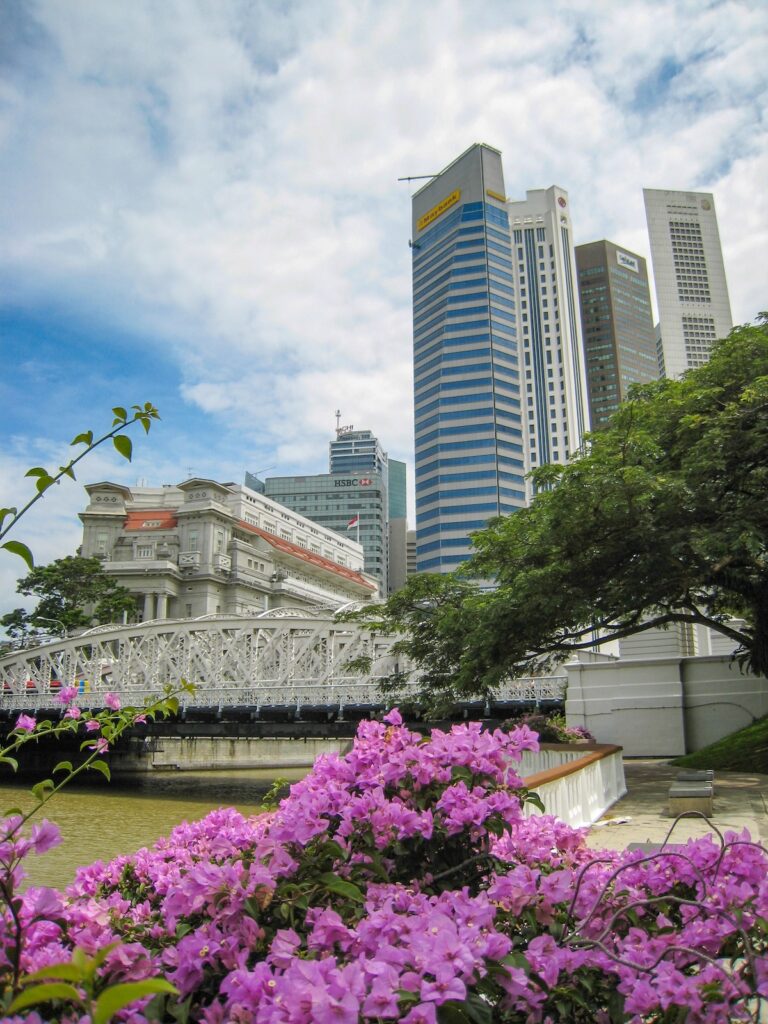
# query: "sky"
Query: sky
{"points": [[200, 205]]}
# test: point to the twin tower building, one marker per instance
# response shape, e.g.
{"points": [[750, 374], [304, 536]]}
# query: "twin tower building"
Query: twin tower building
{"points": [[522, 341]]}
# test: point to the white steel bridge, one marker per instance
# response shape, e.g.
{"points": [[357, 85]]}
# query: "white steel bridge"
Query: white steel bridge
{"points": [[289, 658]]}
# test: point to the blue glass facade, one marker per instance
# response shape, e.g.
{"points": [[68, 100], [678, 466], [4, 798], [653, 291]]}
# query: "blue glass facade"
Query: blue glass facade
{"points": [[469, 453]]}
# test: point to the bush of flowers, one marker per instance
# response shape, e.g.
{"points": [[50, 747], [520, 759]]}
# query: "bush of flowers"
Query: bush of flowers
{"points": [[551, 728], [403, 882]]}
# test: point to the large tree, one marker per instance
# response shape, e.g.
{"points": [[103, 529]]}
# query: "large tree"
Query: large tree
{"points": [[74, 593], [663, 518]]}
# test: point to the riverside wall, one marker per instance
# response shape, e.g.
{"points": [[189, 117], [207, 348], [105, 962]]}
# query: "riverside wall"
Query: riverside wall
{"points": [[663, 706]]}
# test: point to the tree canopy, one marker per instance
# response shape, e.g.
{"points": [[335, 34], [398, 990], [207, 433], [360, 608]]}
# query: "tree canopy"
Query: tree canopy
{"points": [[662, 518], [74, 593]]}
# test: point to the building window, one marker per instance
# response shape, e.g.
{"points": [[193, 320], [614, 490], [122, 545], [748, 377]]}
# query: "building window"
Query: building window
{"points": [[192, 541], [144, 551]]}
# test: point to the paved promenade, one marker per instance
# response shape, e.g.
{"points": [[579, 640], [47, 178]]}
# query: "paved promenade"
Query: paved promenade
{"points": [[741, 801]]}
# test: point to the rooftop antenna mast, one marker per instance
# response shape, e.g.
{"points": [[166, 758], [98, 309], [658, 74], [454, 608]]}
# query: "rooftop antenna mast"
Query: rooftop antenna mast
{"points": [[339, 429], [416, 177]]}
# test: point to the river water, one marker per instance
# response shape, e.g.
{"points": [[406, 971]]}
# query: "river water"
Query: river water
{"points": [[102, 822]]}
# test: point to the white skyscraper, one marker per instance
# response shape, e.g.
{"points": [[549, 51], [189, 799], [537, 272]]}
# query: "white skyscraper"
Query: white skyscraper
{"points": [[555, 402], [691, 289]]}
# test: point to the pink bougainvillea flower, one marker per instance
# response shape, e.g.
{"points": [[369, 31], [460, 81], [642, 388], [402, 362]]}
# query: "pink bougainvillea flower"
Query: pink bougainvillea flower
{"points": [[25, 723], [416, 867], [92, 725], [66, 694], [112, 701], [100, 746], [45, 836], [139, 719], [73, 712]]}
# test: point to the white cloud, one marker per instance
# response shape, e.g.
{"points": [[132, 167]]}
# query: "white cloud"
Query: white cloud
{"points": [[221, 178]]}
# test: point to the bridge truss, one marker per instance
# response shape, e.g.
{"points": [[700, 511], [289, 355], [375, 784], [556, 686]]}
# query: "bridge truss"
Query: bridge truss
{"points": [[287, 658]]}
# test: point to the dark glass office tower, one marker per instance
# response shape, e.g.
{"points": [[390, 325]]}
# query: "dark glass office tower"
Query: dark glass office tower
{"points": [[617, 325], [469, 452]]}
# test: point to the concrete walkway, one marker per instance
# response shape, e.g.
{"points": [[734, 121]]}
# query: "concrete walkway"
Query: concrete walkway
{"points": [[741, 801]]}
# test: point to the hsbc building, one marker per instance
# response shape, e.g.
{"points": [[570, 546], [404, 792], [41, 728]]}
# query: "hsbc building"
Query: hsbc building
{"points": [[352, 499]]}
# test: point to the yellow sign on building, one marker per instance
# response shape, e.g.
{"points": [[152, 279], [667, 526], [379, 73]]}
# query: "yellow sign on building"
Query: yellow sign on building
{"points": [[495, 195], [442, 206]]}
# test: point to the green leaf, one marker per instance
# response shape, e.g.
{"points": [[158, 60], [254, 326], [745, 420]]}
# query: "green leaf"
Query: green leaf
{"points": [[5, 759], [113, 999], [124, 445], [6, 512], [41, 789], [86, 438], [98, 957], [452, 1013], [68, 471], [120, 413], [44, 994], [37, 471], [17, 548], [43, 483], [101, 766], [335, 884], [65, 971], [535, 799], [63, 766]]}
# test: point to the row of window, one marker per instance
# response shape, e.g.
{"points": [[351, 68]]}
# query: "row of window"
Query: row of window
{"points": [[475, 492]]}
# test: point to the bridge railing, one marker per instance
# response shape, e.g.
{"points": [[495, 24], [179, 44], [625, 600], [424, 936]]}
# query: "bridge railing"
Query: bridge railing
{"points": [[290, 661], [334, 696]]}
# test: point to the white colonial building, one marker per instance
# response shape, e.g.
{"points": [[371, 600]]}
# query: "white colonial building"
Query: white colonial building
{"points": [[205, 548]]}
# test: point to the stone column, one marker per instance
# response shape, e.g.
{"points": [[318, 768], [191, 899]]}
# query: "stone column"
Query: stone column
{"points": [[149, 607], [162, 606]]}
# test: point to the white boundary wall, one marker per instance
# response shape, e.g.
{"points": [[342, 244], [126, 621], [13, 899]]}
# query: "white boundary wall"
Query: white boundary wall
{"points": [[663, 706], [580, 793]]}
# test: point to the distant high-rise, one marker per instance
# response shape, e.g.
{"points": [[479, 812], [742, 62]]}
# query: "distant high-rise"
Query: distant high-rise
{"points": [[352, 499], [470, 464], [398, 526], [617, 325], [691, 289], [356, 451], [549, 328]]}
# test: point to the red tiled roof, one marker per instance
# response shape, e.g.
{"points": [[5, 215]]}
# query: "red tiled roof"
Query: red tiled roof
{"points": [[308, 556], [162, 519]]}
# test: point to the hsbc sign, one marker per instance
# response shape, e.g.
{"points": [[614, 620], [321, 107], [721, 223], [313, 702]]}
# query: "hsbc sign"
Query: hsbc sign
{"points": [[353, 481]]}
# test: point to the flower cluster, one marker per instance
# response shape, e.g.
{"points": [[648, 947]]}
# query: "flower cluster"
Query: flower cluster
{"points": [[403, 882]]}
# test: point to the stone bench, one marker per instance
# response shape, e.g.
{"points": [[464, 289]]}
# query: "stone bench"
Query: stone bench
{"points": [[696, 775], [691, 795]]}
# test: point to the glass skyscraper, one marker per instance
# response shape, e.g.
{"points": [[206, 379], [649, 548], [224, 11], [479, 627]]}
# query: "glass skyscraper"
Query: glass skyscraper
{"points": [[616, 318], [354, 498], [470, 464]]}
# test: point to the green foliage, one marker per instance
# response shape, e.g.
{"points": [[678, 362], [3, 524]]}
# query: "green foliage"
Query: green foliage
{"points": [[75, 985], [428, 612], [742, 751], [44, 479], [73, 593], [74, 982], [661, 519], [65, 587]]}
